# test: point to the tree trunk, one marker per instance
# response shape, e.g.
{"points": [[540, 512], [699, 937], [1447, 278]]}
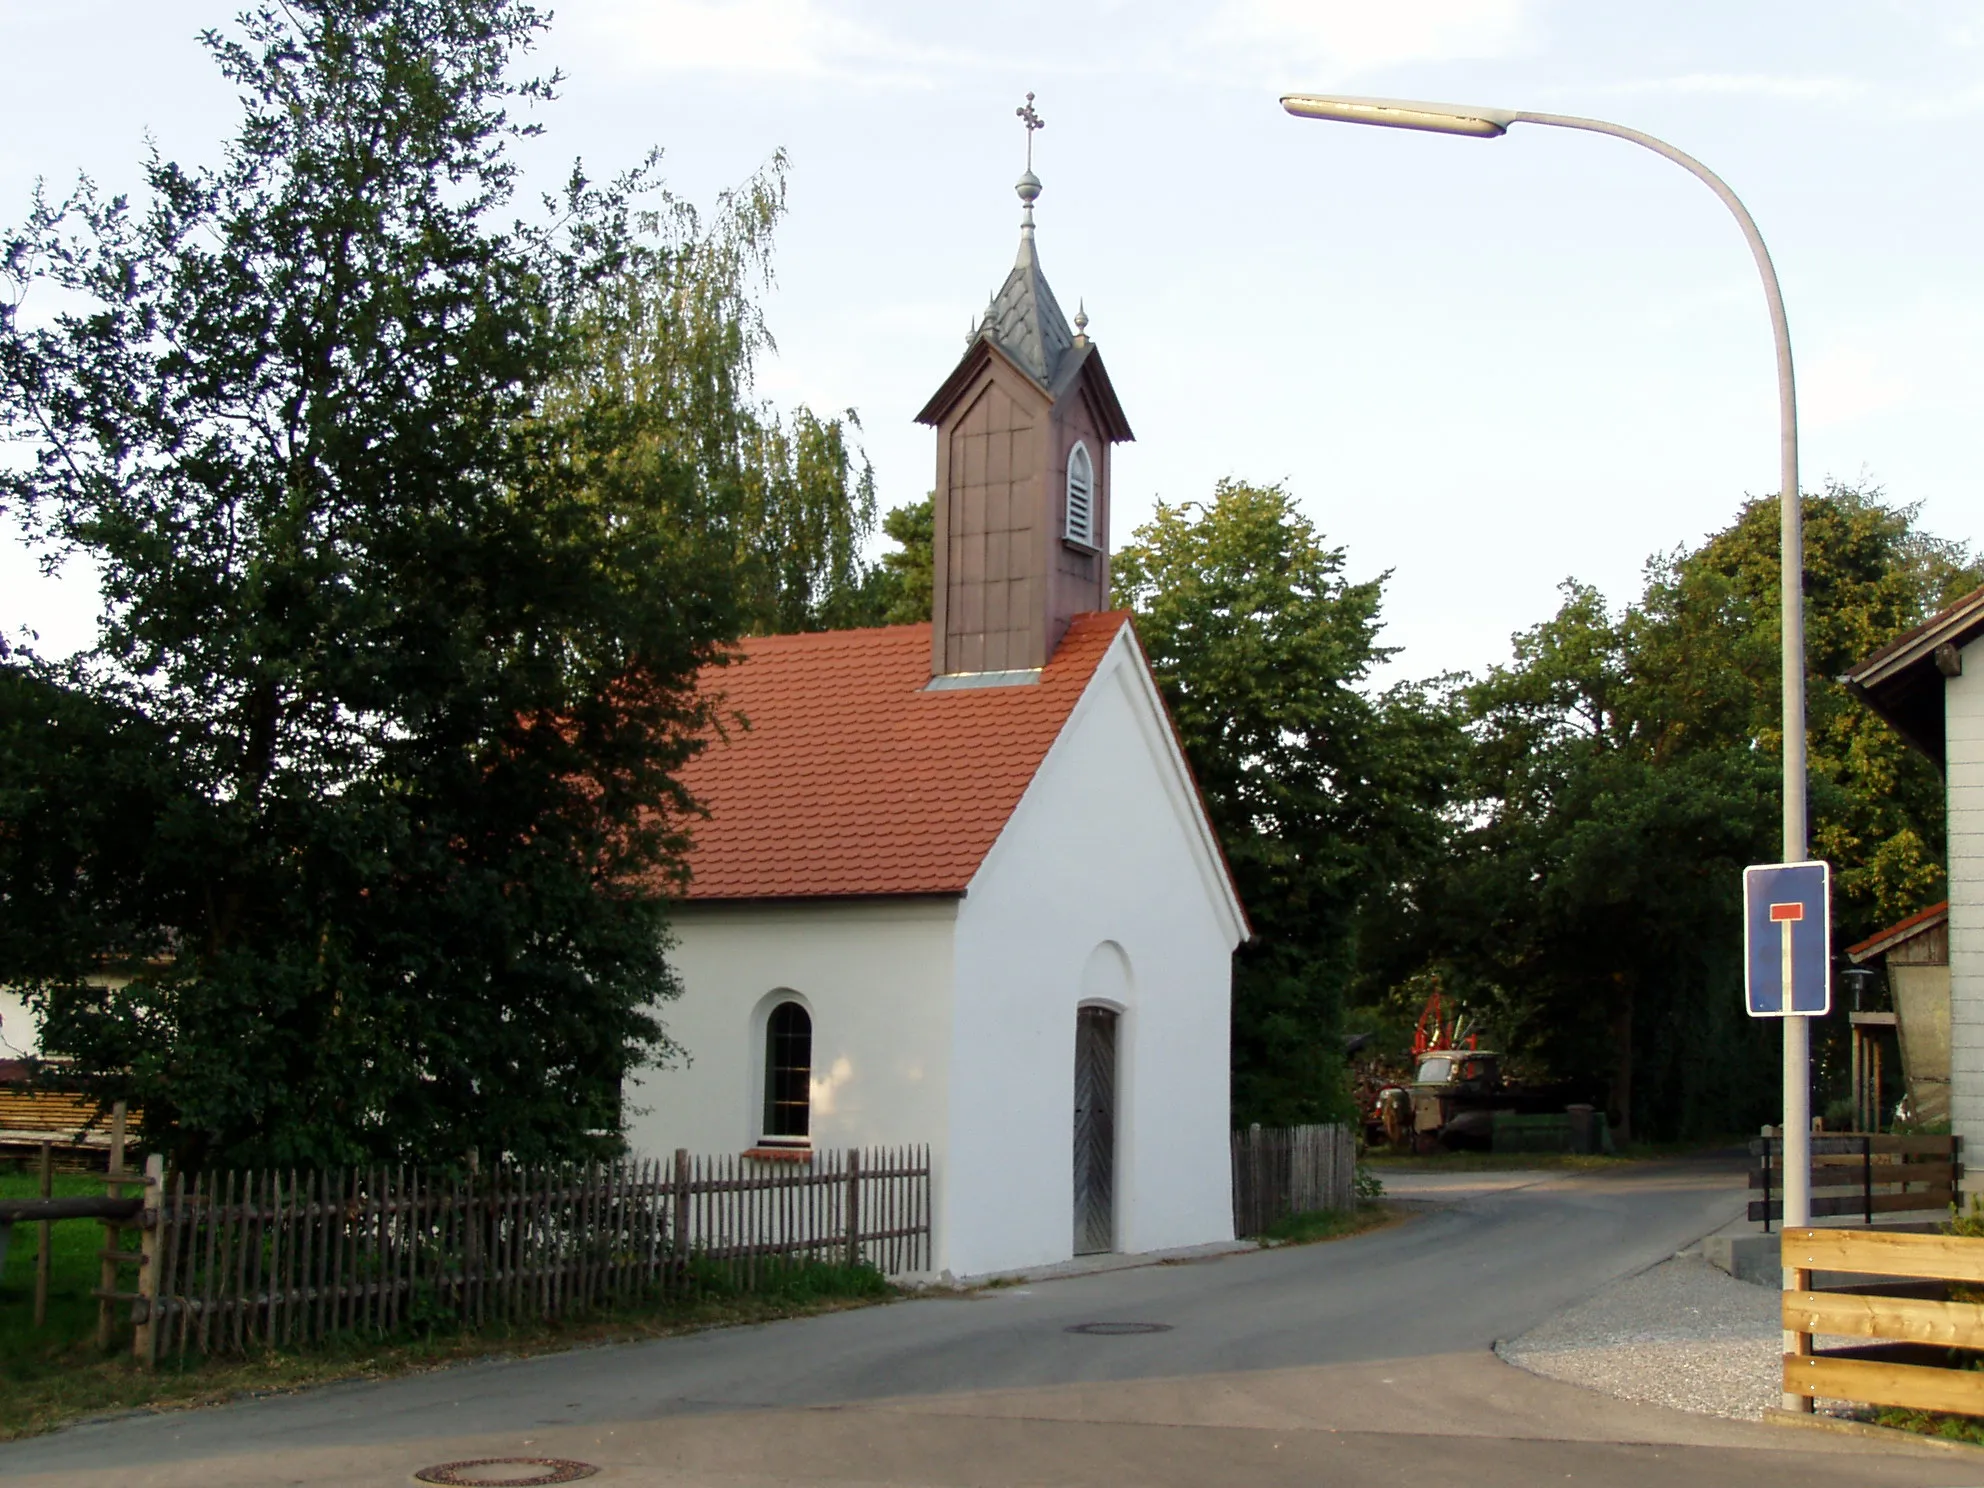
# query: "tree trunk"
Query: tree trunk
{"points": [[1621, 1114]]}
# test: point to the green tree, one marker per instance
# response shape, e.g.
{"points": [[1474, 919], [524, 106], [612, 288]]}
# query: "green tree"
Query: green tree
{"points": [[1705, 641], [399, 651], [1325, 797], [1581, 905], [897, 589], [672, 342], [1624, 767]]}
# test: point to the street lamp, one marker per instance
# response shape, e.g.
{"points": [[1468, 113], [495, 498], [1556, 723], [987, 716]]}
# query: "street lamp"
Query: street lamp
{"points": [[1492, 123]]}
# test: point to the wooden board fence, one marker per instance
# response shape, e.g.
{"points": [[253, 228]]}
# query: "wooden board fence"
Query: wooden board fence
{"points": [[1909, 1364], [243, 1259], [1284, 1170], [1861, 1174]]}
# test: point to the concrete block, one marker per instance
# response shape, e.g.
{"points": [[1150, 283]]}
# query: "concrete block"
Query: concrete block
{"points": [[1752, 1258]]}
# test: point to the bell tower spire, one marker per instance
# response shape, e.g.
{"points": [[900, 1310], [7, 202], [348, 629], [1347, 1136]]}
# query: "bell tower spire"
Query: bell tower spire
{"points": [[1024, 425], [1029, 183]]}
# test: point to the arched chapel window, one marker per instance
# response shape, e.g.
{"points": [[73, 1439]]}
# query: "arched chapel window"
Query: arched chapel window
{"points": [[788, 1072], [1081, 496]]}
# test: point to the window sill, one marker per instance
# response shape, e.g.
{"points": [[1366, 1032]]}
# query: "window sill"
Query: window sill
{"points": [[1074, 545], [780, 1154]]}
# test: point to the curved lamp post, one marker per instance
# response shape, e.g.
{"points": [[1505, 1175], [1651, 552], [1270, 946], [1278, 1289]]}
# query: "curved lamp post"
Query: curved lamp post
{"points": [[1491, 123]]}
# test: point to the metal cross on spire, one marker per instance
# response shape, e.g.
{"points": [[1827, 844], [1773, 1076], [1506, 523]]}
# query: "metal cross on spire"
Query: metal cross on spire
{"points": [[1033, 121]]}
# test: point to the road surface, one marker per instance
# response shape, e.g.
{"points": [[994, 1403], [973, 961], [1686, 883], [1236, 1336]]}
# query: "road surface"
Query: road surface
{"points": [[1362, 1362]]}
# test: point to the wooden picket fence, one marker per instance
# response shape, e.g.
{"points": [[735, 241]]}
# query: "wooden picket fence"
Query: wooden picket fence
{"points": [[239, 1259], [1918, 1353], [1283, 1170]]}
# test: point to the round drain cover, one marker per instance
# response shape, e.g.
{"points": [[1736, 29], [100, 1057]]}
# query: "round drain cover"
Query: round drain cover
{"points": [[1117, 1330], [506, 1472]]}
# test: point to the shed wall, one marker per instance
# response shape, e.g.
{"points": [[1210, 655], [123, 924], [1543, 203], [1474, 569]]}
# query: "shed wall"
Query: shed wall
{"points": [[1963, 722]]}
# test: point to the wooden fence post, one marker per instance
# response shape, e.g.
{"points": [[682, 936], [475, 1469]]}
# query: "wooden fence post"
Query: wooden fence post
{"points": [[472, 1252], [678, 1238], [854, 1206], [47, 1233], [144, 1339], [112, 1231]]}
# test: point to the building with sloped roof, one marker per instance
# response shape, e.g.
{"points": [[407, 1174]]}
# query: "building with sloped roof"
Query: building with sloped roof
{"points": [[1929, 683], [957, 885]]}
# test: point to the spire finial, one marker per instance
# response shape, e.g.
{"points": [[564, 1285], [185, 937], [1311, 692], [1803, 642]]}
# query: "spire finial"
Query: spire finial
{"points": [[1081, 323], [1029, 184], [1031, 117]]}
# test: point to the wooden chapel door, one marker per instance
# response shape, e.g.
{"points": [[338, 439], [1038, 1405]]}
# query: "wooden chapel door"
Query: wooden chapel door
{"points": [[1095, 1130]]}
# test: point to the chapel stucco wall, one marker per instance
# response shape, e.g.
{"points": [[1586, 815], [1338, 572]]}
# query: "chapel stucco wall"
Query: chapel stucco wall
{"points": [[1963, 715], [874, 974], [1103, 848], [20, 1029]]}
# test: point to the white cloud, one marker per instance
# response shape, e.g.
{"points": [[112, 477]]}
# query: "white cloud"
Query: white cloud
{"points": [[771, 38], [1846, 383], [1343, 37], [1923, 357], [1948, 105], [1749, 84]]}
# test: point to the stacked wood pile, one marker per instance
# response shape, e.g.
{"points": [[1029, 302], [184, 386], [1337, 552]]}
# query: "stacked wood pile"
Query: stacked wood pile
{"points": [[73, 1123], [1283, 1170]]}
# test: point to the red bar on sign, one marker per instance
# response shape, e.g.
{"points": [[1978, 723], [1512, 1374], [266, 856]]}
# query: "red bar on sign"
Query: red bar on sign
{"points": [[1787, 911]]}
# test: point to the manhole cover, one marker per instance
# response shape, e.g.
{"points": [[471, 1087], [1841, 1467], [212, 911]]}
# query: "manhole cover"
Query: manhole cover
{"points": [[1117, 1330], [507, 1472]]}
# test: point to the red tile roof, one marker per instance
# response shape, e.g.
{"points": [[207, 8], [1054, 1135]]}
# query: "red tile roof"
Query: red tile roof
{"points": [[854, 779]]}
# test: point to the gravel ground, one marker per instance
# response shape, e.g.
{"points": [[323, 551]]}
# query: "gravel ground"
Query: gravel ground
{"points": [[1680, 1334]]}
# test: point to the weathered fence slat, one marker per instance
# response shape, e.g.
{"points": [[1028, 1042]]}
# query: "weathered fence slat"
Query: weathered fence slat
{"points": [[274, 1258], [1280, 1171]]}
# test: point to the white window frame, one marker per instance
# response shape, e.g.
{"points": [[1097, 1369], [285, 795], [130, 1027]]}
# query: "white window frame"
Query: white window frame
{"points": [[1081, 533]]}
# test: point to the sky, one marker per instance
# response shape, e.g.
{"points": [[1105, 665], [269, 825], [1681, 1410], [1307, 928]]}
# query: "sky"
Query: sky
{"points": [[1482, 367]]}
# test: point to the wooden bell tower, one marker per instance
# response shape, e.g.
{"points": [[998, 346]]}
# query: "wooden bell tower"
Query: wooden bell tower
{"points": [[1025, 424]]}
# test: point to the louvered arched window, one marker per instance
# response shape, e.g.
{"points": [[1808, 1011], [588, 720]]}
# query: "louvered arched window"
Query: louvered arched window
{"points": [[1081, 496]]}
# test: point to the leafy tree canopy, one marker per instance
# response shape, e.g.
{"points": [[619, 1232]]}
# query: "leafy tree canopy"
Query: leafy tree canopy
{"points": [[1324, 795], [1622, 770], [670, 344], [416, 521]]}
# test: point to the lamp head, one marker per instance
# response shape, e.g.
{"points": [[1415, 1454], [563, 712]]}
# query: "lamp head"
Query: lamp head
{"points": [[1402, 113]]}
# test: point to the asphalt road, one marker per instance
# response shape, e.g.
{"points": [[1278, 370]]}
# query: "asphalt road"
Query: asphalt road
{"points": [[1362, 1362]]}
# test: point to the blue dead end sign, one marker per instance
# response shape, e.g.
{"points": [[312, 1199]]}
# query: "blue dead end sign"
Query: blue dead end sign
{"points": [[1787, 939]]}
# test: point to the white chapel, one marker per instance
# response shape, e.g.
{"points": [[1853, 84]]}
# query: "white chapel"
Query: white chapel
{"points": [[957, 886]]}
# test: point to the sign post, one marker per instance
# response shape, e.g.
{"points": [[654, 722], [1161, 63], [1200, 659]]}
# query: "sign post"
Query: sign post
{"points": [[1787, 974]]}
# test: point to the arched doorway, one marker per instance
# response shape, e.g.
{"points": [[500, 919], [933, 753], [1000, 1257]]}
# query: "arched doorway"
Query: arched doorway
{"points": [[1095, 1130]]}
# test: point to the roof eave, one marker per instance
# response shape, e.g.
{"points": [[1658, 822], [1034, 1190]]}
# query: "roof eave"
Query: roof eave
{"points": [[1084, 363], [1883, 941], [1957, 624], [976, 355], [1184, 761], [1902, 682], [856, 896]]}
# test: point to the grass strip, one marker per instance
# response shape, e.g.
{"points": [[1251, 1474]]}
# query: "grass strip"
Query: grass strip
{"points": [[1329, 1224], [1938, 1424]]}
